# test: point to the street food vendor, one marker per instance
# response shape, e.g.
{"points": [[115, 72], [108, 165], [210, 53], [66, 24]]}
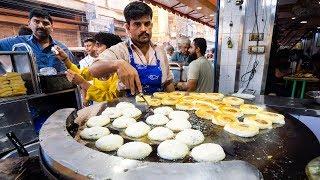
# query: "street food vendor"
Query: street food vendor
{"points": [[41, 42], [144, 62]]}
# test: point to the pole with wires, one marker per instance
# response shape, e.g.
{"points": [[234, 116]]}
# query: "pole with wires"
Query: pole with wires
{"points": [[247, 77]]}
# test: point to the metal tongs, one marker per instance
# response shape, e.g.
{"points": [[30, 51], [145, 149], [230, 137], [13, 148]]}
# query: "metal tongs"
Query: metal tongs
{"points": [[149, 109], [17, 144]]}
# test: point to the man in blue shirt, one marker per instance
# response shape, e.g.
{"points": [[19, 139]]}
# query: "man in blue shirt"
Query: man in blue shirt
{"points": [[40, 41], [182, 56]]}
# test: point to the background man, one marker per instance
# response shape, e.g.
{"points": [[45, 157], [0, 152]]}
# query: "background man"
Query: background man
{"points": [[200, 74], [89, 45], [182, 56], [41, 42]]}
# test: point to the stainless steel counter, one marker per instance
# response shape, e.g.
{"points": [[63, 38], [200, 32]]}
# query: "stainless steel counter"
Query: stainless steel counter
{"points": [[306, 107], [306, 111]]}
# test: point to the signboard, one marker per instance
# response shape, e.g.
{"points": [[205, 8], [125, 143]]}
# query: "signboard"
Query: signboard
{"points": [[106, 25], [91, 12]]}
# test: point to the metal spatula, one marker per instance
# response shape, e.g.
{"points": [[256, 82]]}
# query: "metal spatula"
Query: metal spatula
{"points": [[149, 109]]}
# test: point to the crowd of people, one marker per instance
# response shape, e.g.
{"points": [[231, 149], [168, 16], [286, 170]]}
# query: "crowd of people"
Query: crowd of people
{"points": [[114, 67], [182, 56]]}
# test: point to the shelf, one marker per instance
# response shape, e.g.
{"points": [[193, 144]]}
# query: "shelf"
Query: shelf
{"points": [[32, 96]]}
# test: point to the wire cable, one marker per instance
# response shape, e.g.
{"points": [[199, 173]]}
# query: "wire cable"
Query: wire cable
{"points": [[249, 75]]}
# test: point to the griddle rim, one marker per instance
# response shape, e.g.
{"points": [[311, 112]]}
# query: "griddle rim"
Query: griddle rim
{"points": [[71, 159]]}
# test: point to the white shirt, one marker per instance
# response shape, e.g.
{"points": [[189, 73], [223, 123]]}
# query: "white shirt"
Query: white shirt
{"points": [[86, 62]]}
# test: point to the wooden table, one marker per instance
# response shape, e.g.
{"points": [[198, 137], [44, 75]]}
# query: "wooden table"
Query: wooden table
{"points": [[304, 83]]}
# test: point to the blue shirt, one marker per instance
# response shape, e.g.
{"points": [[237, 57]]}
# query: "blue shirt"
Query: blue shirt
{"points": [[180, 58], [44, 56]]}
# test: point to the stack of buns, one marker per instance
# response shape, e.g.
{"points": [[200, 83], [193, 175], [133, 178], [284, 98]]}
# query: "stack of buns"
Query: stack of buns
{"points": [[11, 84]]}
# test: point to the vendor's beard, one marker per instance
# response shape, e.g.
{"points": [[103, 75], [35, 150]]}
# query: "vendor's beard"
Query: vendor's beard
{"points": [[145, 41], [193, 56], [43, 35]]}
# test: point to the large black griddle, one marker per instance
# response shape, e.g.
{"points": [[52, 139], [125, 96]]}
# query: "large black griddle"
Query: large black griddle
{"points": [[279, 153]]}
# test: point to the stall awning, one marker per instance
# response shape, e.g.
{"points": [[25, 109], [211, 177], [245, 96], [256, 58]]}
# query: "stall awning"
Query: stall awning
{"points": [[202, 11]]}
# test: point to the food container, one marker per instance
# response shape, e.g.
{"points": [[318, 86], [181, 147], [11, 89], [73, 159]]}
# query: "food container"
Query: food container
{"points": [[54, 83]]}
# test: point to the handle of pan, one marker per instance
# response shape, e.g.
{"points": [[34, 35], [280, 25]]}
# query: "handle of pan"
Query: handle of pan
{"points": [[17, 144]]}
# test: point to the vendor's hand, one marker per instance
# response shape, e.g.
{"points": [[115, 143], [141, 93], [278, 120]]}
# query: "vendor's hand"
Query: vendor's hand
{"points": [[62, 56], [74, 77], [128, 75], [179, 85]]}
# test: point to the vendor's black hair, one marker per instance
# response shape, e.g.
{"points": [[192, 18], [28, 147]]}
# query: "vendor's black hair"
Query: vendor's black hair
{"points": [[202, 44], [89, 40], [24, 30], [136, 10], [40, 13], [107, 39]]}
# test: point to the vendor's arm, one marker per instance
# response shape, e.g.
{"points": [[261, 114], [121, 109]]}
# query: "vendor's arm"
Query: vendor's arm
{"points": [[112, 61], [192, 85], [189, 86], [101, 68], [64, 57], [68, 53], [127, 74], [169, 87], [77, 79], [193, 75]]}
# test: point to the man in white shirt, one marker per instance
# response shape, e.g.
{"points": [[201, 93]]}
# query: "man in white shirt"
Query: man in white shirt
{"points": [[89, 45]]}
